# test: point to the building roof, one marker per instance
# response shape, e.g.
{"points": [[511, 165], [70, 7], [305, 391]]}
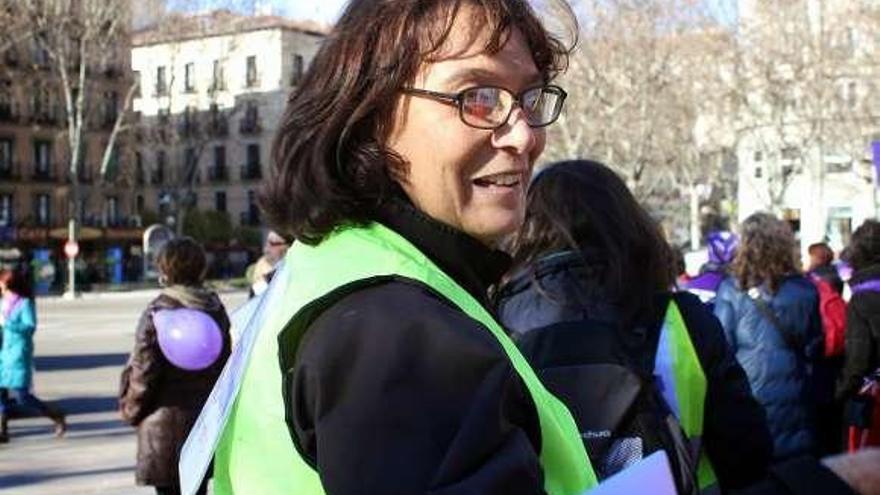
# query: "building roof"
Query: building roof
{"points": [[184, 27]]}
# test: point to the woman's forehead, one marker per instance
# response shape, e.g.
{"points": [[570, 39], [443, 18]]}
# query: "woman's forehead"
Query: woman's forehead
{"points": [[466, 58]]}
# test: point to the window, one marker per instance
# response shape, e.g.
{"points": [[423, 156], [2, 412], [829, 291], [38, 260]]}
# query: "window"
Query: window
{"points": [[219, 157], [251, 169], [41, 104], [220, 201], [758, 156], [42, 160], [111, 108], [851, 94], [139, 168], [253, 155], [251, 72], [759, 172], [161, 81], [112, 210], [136, 79], [5, 100], [790, 153], [252, 215], [191, 162], [42, 212], [5, 155], [6, 217], [296, 69], [189, 77], [139, 204], [218, 79], [838, 167], [159, 173]]}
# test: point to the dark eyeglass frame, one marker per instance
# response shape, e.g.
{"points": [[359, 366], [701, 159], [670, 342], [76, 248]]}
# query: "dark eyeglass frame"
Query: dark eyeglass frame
{"points": [[457, 99]]}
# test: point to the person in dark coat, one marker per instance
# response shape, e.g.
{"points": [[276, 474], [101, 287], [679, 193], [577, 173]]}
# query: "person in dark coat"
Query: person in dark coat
{"points": [[588, 252], [770, 316], [862, 354], [159, 398]]}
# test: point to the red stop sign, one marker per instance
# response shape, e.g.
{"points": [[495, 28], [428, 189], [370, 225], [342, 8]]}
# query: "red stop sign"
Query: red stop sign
{"points": [[71, 249]]}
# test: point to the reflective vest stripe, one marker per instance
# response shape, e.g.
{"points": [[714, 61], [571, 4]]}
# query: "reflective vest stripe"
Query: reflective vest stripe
{"points": [[682, 384]]}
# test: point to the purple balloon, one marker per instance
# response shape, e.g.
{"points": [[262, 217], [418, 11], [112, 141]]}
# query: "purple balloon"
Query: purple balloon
{"points": [[189, 338]]}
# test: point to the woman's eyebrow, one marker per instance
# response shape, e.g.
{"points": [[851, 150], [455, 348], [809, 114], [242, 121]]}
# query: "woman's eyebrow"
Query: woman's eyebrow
{"points": [[476, 74]]}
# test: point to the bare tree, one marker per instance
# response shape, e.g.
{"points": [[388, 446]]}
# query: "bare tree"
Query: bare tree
{"points": [[636, 83], [802, 89]]}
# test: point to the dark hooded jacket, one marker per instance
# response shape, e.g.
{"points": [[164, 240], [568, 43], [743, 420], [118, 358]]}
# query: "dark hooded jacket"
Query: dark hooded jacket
{"points": [[162, 400], [862, 334], [780, 375], [558, 289]]}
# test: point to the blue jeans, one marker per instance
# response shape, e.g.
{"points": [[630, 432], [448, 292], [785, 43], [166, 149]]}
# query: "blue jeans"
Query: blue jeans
{"points": [[22, 402]]}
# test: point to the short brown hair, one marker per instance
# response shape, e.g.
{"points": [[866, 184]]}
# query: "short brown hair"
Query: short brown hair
{"points": [[183, 262], [331, 164], [767, 252]]}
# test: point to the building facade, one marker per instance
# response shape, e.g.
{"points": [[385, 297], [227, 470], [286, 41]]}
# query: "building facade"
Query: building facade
{"points": [[38, 194], [213, 89]]}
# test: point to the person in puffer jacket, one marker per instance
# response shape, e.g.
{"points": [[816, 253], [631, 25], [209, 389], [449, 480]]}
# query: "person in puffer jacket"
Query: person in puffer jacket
{"points": [[770, 316]]}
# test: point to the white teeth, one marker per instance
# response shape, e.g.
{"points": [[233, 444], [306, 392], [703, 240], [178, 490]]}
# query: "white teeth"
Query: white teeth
{"points": [[504, 180]]}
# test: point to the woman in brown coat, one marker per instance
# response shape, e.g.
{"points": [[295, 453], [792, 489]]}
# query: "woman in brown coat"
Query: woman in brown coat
{"points": [[163, 400]]}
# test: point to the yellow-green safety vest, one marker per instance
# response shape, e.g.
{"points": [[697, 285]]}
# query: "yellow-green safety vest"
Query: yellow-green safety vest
{"points": [[256, 455], [682, 384]]}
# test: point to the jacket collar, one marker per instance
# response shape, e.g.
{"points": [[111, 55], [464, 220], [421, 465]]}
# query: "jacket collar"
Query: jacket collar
{"points": [[468, 261]]}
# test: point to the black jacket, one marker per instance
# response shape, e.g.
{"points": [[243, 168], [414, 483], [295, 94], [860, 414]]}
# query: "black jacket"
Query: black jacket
{"points": [[395, 391], [862, 334], [557, 289]]}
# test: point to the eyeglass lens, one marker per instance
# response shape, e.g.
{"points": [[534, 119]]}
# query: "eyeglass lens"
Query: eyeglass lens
{"points": [[489, 107]]}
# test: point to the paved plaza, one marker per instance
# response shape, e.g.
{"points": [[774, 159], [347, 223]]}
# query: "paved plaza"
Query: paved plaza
{"points": [[81, 347]]}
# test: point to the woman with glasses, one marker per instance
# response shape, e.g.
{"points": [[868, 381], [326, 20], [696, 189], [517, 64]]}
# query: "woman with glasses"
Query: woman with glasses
{"points": [[401, 162]]}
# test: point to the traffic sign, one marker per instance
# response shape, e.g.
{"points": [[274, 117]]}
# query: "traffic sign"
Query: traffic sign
{"points": [[71, 249]]}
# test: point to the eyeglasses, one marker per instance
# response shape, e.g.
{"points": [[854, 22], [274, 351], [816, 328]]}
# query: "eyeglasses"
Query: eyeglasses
{"points": [[489, 107]]}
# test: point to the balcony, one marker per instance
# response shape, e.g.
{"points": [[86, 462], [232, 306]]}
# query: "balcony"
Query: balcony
{"points": [[45, 118], [42, 175], [249, 127], [9, 172], [157, 178], [218, 174], [251, 171], [218, 127], [7, 115]]}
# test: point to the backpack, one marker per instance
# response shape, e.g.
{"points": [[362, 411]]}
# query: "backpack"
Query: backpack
{"points": [[832, 309], [608, 385]]}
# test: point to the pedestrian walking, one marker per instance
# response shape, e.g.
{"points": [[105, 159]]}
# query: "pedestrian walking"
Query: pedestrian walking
{"points": [[160, 393], [770, 315], [590, 306], [18, 319]]}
